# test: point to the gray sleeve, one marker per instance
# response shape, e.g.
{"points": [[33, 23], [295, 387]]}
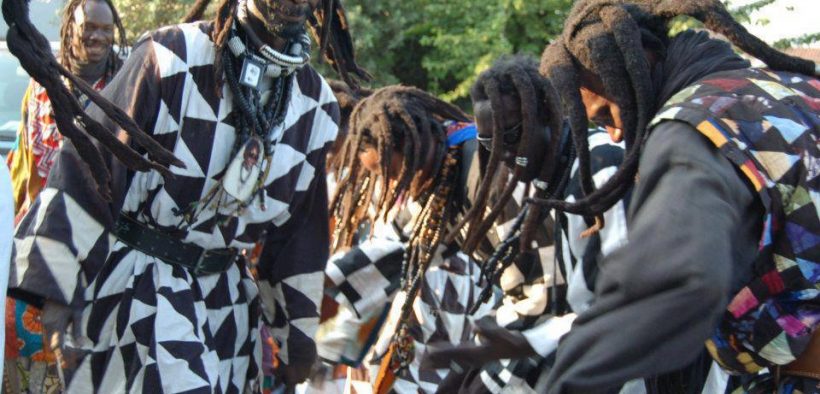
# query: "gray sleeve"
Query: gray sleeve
{"points": [[659, 297]]}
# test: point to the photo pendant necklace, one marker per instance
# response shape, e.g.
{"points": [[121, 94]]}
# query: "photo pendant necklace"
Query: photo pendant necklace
{"points": [[256, 114], [240, 179]]}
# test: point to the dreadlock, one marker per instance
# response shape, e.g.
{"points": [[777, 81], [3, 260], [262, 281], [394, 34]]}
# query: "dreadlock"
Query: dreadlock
{"points": [[33, 50], [391, 119], [607, 38], [511, 76], [516, 77], [407, 120], [347, 98], [197, 11], [69, 26], [329, 27]]}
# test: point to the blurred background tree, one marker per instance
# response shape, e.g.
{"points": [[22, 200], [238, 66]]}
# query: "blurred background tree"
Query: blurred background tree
{"points": [[441, 46]]}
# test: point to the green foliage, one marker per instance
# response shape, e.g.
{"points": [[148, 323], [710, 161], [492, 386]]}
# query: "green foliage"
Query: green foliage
{"points": [[805, 39], [442, 46], [437, 45], [140, 16]]}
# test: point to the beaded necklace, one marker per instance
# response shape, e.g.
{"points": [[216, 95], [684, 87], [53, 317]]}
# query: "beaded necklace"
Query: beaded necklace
{"points": [[426, 237], [254, 119]]}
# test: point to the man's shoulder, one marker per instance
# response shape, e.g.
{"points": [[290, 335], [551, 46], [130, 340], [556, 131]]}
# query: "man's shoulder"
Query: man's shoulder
{"points": [[313, 85], [184, 40]]}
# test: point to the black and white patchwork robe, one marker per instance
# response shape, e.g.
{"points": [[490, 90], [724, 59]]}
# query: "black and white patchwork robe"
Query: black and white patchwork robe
{"points": [[577, 265], [148, 326]]}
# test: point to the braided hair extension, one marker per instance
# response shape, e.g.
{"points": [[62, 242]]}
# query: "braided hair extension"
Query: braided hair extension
{"points": [[425, 239], [394, 118], [33, 50], [332, 34], [69, 26], [607, 38], [515, 76]]}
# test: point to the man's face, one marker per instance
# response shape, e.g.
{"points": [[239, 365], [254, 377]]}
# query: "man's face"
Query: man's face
{"points": [[601, 110], [251, 155], [284, 18], [93, 34], [511, 133], [370, 159]]}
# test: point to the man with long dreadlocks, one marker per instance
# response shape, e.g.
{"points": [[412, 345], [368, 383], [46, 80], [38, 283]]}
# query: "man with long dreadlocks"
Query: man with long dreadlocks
{"points": [[723, 222], [89, 30], [152, 281], [516, 357], [503, 97], [405, 167]]}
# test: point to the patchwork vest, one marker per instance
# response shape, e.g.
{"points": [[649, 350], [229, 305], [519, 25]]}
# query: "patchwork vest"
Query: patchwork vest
{"points": [[767, 124]]}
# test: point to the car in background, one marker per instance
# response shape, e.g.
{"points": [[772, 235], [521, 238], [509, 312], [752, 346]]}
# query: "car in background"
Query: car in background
{"points": [[45, 14]]}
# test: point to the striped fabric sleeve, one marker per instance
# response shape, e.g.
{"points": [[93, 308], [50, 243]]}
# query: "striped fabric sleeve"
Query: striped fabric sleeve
{"points": [[294, 256], [366, 276]]}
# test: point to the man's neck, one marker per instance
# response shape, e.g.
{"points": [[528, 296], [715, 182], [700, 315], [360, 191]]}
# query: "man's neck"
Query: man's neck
{"points": [[257, 27], [87, 71]]}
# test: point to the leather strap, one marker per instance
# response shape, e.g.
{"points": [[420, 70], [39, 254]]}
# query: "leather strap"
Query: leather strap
{"points": [[172, 250], [808, 364]]}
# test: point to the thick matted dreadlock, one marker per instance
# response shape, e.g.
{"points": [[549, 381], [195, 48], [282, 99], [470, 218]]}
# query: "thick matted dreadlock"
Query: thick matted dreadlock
{"points": [[34, 52], [607, 38], [394, 118], [512, 76], [197, 11], [517, 77], [68, 28], [329, 27], [347, 97]]}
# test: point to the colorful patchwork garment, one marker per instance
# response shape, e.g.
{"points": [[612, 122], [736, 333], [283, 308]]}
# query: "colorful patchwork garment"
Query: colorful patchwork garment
{"points": [[767, 124]]}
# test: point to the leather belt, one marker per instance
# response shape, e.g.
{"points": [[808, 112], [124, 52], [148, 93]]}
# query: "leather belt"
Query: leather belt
{"points": [[171, 250], [808, 364]]}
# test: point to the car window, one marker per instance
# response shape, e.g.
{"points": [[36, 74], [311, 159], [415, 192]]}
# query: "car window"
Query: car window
{"points": [[12, 88], [45, 14]]}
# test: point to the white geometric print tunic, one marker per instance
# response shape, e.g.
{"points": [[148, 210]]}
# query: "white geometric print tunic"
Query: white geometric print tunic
{"points": [[148, 326]]}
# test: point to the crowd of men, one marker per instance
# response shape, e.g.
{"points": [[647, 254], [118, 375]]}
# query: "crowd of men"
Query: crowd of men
{"points": [[636, 212]]}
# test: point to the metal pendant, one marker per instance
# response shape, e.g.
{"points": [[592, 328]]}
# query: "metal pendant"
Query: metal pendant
{"points": [[252, 72]]}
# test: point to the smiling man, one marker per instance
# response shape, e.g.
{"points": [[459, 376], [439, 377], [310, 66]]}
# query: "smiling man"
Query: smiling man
{"points": [[88, 33], [154, 281]]}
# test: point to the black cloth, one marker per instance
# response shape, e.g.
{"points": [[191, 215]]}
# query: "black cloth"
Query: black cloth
{"points": [[693, 226]]}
